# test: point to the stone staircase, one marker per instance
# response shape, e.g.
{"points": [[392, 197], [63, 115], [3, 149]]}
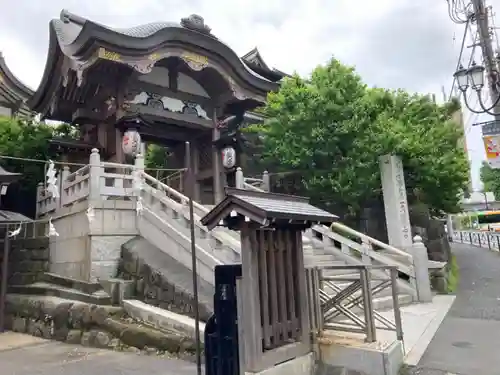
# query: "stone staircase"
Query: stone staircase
{"points": [[164, 223]]}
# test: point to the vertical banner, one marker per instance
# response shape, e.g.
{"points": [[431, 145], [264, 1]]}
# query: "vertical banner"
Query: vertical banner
{"points": [[492, 150]]}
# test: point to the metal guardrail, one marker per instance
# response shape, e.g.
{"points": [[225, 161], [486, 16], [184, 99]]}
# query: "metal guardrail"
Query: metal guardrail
{"points": [[333, 305], [489, 240]]}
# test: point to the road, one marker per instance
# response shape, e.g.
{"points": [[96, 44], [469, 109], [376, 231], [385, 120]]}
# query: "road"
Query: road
{"points": [[53, 358], [468, 340]]}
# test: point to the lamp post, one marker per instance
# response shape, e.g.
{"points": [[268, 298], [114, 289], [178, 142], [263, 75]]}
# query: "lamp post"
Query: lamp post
{"points": [[473, 77]]}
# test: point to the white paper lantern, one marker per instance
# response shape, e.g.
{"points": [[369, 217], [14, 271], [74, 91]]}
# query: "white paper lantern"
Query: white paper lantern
{"points": [[131, 142], [228, 157]]}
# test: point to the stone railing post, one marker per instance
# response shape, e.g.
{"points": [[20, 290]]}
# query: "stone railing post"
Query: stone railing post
{"points": [[449, 227], [240, 179], [62, 193], [137, 173], [266, 181], [95, 173], [139, 163], [421, 268], [39, 191]]}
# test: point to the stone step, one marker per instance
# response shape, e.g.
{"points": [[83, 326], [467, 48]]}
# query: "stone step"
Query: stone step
{"points": [[67, 282], [47, 289], [162, 319]]}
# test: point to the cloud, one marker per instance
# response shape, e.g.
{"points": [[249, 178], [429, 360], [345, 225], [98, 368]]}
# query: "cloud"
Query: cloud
{"points": [[393, 43]]}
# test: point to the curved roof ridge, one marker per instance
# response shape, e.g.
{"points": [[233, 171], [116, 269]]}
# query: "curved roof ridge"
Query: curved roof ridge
{"points": [[7, 73]]}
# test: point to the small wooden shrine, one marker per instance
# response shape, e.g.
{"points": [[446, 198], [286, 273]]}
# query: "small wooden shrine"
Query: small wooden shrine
{"points": [[274, 320]]}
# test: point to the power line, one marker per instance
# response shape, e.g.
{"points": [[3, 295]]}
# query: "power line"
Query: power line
{"points": [[462, 47]]}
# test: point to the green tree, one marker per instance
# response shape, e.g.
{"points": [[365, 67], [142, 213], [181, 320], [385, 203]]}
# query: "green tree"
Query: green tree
{"points": [[330, 129], [28, 139], [491, 179]]}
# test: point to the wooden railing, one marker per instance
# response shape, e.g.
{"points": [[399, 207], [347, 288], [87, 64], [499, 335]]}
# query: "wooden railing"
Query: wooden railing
{"points": [[333, 307], [354, 245]]}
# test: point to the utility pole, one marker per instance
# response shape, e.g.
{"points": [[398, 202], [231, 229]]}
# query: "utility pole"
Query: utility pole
{"points": [[485, 41]]}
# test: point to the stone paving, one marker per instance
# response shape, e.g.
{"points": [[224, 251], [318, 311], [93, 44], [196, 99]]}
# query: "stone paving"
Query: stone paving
{"points": [[468, 340], [54, 358]]}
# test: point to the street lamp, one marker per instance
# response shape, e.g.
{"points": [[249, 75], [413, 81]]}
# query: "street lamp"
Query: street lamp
{"points": [[474, 77]]}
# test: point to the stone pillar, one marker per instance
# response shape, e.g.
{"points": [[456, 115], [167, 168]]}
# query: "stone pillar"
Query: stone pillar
{"points": [[95, 176], [421, 282], [266, 181], [240, 179], [395, 202], [63, 194]]}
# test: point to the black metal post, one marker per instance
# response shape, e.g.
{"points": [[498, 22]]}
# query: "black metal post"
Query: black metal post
{"points": [[190, 191], [3, 284]]}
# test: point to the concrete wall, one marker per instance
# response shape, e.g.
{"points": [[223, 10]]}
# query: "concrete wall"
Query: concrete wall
{"points": [[82, 250]]}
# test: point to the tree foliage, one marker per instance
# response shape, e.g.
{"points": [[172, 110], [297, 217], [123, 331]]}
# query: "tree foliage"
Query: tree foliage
{"points": [[331, 129], [28, 139], [491, 179]]}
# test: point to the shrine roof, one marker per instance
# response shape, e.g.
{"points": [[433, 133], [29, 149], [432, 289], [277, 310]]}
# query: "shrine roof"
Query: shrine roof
{"points": [[80, 39], [12, 91], [8, 177], [266, 209]]}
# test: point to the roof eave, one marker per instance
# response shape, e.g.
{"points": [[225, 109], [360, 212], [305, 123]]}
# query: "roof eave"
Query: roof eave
{"points": [[92, 36], [40, 99]]}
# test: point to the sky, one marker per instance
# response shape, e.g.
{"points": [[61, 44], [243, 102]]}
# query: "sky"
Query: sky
{"points": [[405, 44]]}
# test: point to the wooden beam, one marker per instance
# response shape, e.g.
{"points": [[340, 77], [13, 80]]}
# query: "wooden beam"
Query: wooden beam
{"points": [[90, 116], [180, 119]]}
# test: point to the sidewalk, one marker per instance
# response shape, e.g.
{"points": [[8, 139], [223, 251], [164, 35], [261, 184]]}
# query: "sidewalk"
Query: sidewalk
{"points": [[420, 323], [22, 356], [468, 341], [12, 340]]}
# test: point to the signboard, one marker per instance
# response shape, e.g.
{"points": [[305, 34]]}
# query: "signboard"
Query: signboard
{"points": [[492, 150], [489, 127]]}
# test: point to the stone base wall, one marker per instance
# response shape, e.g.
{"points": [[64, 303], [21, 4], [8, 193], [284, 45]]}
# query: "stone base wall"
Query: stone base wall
{"points": [[89, 325], [90, 251], [28, 260], [154, 288]]}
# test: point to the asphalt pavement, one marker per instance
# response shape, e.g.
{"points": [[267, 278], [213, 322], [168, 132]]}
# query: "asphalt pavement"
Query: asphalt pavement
{"points": [[53, 358], [468, 340]]}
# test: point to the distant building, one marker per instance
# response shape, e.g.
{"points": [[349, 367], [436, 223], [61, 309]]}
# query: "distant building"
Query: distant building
{"points": [[480, 201]]}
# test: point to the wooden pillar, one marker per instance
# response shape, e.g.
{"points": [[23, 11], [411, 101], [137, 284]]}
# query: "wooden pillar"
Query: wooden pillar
{"points": [[216, 161], [252, 336], [274, 312], [195, 158], [119, 156]]}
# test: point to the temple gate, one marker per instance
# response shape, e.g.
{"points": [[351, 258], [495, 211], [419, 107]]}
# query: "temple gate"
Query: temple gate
{"points": [[170, 82]]}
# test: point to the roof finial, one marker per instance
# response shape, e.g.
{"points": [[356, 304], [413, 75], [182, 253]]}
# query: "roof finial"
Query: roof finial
{"points": [[196, 23]]}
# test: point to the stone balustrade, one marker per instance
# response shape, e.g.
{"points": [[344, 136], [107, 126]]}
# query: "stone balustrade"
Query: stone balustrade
{"points": [[96, 180]]}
